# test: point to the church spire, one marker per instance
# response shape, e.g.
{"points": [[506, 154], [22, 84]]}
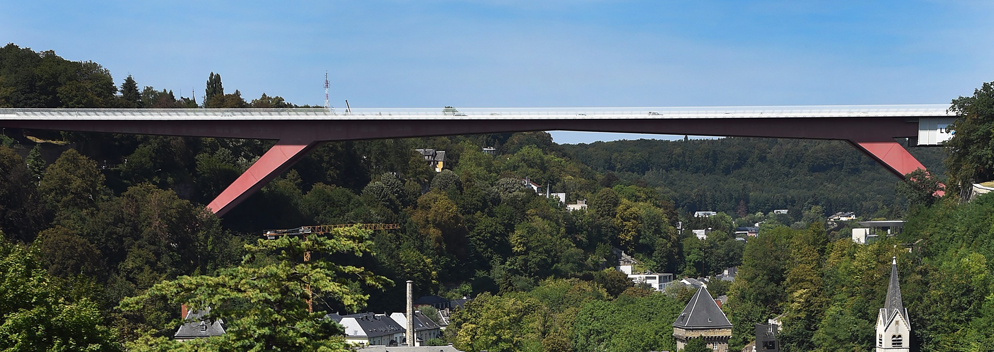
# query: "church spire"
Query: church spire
{"points": [[894, 304]]}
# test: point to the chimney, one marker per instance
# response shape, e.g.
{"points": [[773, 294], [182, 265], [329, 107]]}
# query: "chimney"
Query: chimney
{"points": [[410, 315], [182, 311]]}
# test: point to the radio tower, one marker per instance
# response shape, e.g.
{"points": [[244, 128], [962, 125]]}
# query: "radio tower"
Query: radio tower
{"points": [[326, 104]]}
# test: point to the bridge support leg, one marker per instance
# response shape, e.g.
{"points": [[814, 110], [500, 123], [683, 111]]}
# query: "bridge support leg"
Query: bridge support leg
{"points": [[892, 155], [277, 159]]}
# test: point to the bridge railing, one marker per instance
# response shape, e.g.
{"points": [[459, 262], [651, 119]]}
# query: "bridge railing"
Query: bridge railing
{"points": [[800, 111]]}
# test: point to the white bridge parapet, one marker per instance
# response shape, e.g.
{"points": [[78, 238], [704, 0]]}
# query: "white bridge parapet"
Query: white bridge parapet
{"points": [[577, 113]]}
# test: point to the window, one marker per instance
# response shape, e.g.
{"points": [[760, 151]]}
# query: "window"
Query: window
{"points": [[203, 326], [880, 340], [896, 341]]}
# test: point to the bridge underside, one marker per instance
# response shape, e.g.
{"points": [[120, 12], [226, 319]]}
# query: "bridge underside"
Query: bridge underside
{"points": [[873, 136]]}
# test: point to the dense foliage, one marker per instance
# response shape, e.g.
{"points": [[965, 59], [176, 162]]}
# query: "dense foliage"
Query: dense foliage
{"points": [[91, 219], [746, 175], [271, 292]]}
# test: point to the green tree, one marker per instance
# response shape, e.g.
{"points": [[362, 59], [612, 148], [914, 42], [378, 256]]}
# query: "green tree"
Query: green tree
{"points": [[66, 254], [230, 101], [498, 324], [72, 187], [21, 209], [626, 324], [264, 301], [214, 88], [919, 188], [36, 163], [129, 93], [266, 101], [971, 149], [89, 86], [37, 316]]}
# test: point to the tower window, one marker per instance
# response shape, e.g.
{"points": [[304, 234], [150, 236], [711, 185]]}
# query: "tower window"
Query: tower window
{"points": [[896, 341], [880, 340]]}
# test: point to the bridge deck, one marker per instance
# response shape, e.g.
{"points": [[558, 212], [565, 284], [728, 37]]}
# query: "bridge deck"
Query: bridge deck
{"points": [[573, 113]]}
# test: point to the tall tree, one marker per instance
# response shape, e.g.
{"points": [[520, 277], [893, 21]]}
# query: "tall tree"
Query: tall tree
{"points": [[72, 187], [129, 93], [971, 149], [214, 88]]}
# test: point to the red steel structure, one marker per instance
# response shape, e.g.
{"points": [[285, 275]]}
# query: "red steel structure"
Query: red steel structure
{"points": [[871, 129]]}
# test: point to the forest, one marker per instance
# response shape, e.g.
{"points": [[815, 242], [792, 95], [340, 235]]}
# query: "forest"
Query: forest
{"points": [[105, 235]]}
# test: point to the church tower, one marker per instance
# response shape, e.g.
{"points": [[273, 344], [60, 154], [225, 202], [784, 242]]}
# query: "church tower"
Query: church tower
{"points": [[893, 326]]}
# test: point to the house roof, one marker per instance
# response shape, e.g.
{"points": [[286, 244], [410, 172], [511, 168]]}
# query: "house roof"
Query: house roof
{"points": [[702, 313], [373, 325], [197, 326], [421, 321], [458, 303]]}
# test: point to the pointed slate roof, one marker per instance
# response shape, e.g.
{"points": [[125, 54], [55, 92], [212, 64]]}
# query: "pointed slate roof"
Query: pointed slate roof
{"points": [[702, 313], [894, 305], [198, 326]]}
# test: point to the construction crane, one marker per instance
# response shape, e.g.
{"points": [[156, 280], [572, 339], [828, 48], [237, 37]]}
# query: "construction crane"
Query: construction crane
{"points": [[321, 230]]}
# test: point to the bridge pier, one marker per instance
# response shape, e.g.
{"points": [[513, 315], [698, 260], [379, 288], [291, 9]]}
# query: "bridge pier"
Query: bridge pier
{"points": [[274, 162]]}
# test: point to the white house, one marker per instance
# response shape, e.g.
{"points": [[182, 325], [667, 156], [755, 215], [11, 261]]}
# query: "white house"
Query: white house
{"points": [[704, 214], [580, 205], [658, 281]]}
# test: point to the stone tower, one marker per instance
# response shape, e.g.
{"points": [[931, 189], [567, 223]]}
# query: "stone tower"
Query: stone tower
{"points": [[703, 319], [893, 326]]}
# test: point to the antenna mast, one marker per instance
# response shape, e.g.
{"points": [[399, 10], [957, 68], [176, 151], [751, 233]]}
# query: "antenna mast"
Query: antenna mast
{"points": [[326, 104]]}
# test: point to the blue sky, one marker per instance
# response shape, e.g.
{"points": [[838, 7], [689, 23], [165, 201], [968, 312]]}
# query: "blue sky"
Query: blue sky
{"points": [[504, 53]]}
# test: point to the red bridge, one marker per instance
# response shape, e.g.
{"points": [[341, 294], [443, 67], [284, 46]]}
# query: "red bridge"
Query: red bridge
{"points": [[872, 129]]}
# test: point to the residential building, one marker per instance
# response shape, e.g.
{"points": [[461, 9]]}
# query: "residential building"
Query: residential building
{"points": [[702, 234], [704, 214], [843, 216], [658, 281], [893, 323], [626, 264], [435, 158], [695, 283], [580, 205], [780, 211], [196, 326], [531, 184], [370, 329], [489, 151], [863, 235], [424, 328], [746, 231], [727, 275], [702, 319], [766, 338], [893, 227]]}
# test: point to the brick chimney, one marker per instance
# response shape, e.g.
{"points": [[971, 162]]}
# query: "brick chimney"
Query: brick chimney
{"points": [[182, 311]]}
